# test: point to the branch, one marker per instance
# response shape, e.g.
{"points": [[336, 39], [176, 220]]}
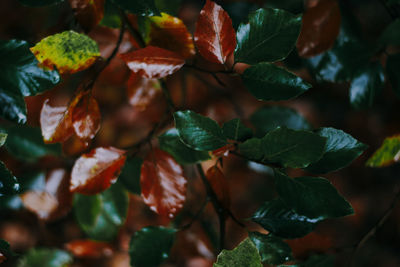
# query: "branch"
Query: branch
{"points": [[136, 34]]}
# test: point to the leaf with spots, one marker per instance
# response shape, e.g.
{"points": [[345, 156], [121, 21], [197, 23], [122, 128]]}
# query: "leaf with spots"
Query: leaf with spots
{"points": [[88, 12]]}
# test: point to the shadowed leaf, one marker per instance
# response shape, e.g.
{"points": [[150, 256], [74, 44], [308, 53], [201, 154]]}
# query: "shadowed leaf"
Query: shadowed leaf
{"points": [[220, 185], [273, 250]]}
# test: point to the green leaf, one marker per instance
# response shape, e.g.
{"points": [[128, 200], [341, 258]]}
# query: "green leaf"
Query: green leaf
{"points": [[5, 249], [170, 7], [198, 132], [236, 130], [293, 148], [171, 143], [282, 221], [268, 118], [150, 246], [391, 35], [387, 154], [269, 36], [393, 72], [314, 197], [100, 216], [20, 76], [245, 254], [273, 250], [139, 7], [43, 257], [3, 138], [340, 150], [130, 175], [366, 85], [8, 183], [111, 16], [39, 3], [252, 149]]}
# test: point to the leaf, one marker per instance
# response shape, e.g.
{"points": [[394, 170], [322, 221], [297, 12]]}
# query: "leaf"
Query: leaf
{"points": [[245, 254], [252, 149], [3, 138], [8, 183], [55, 123], [130, 175], [85, 248], [168, 6], [291, 148], [391, 35], [150, 246], [171, 143], [340, 150], [314, 197], [269, 82], [321, 25], [142, 91], [220, 185], [138, 7], [39, 3], [198, 132], [163, 184], [282, 221], [236, 130], [366, 85], [88, 12], [20, 76], [393, 72], [100, 216], [111, 16], [44, 257], [5, 251], [387, 154], [68, 51], [153, 62], [273, 250], [269, 36], [95, 171], [170, 33], [268, 118], [214, 37]]}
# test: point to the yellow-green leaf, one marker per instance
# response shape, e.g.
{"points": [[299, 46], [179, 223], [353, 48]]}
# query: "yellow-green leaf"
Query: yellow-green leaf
{"points": [[387, 154]]}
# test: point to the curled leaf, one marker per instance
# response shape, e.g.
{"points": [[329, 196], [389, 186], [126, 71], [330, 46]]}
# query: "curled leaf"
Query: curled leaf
{"points": [[89, 248]]}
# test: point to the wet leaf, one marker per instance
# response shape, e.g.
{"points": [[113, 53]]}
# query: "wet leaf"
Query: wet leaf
{"points": [[55, 123], [220, 185], [215, 37], [130, 175], [88, 12], [8, 183], [163, 184], [153, 62], [142, 91], [387, 154], [245, 254], [68, 51], [85, 248], [44, 257], [138, 7], [236, 130], [273, 250], [95, 171]]}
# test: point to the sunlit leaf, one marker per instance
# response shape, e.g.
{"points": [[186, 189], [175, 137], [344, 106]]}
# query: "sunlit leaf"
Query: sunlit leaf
{"points": [[273, 250], [393, 72], [88, 12], [163, 184], [130, 175], [220, 185], [215, 37], [138, 7], [387, 154], [391, 35], [142, 91], [153, 62], [8, 183], [44, 257], [95, 171], [85, 248], [245, 254], [68, 51], [236, 130]]}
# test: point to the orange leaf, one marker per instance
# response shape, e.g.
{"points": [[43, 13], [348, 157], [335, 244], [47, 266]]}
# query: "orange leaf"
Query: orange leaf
{"points": [[85, 248], [162, 183], [141, 91], [220, 185], [95, 171], [215, 37], [88, 12], [321, 25], [170, 33], [153, 62]]}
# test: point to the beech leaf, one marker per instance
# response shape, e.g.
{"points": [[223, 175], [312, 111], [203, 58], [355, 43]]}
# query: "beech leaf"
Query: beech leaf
{"points": [[245, 254], [220, 185], [142, 91], [387, 154], [272, 249]]}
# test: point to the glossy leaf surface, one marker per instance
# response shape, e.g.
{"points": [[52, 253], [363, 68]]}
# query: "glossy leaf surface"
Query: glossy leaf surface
{"points": [[151, 246], [95, 171], [85, 248], [269, 36], [198, 132], [138, 7], [236, 130], [393, 72], [220, 185], [20, 76], [245, 254], [55, 123], [269, 82], [163, 184], [273, 250], [88, 12], [68, 51], [39, 3], [142, 91], [44, 257], [130, 175], [391, 35], [153, 62], [171, 143], [214, 37], [8, 183], [387, 154]]}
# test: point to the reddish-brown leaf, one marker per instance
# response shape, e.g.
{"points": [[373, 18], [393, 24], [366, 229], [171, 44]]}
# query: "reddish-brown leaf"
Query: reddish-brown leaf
{"points": [[95, 171], [88, 12], [220, 185], [89, 248], [321, 25], [153, 62], [75, 146], [170, 33], [215, 37], [141, 91], [163, 184]]}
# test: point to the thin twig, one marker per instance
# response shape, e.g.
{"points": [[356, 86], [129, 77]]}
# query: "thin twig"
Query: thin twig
{"points": [[196, 216], [136, 34]]}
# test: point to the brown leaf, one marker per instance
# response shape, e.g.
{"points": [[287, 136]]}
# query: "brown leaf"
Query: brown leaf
{"points": [[88, 12], [85, 248], [141, 91], [95, 171], [163, 184], [220, 185]]}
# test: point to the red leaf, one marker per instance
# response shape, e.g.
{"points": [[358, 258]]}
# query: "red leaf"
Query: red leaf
{"points": [[215, 37], [220, 185], [95, 171], [321, 25], [153, 62], [89, 248], [88, 12], [141, 91], [162, 183]]}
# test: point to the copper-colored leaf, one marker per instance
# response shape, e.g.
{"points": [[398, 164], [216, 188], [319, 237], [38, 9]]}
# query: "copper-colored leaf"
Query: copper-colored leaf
{"points": [[95, 171], [321, 25], [153, 62], [170, 33], [88, 12], [41, 203], [141, 91], [89, 248], [220, 185], [215, 37], [162, 183]]}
